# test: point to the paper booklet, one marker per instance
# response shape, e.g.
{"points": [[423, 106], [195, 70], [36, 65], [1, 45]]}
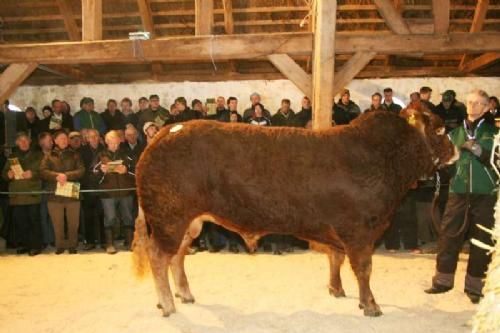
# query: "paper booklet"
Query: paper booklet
{"points": [[16, 167], [211, 106], [55, 123], [113, 164], [68, 190]]}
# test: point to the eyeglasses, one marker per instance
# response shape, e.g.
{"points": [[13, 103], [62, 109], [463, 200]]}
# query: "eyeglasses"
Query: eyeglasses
{"points": [[475, 103]]}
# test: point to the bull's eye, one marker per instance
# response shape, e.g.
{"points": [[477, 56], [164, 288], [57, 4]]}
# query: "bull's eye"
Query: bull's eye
{"points": [[441, 131]]}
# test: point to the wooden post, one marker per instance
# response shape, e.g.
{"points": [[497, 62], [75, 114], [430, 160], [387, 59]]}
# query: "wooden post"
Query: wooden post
{"points": [[324, 63], [292, 71], [146, 17], [204, 17], [228, 16], [13, 77], [441, 9], [91, 20]]}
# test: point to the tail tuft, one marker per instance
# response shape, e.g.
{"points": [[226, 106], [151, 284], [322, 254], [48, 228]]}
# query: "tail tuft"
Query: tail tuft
{"points": [[140, 247]]}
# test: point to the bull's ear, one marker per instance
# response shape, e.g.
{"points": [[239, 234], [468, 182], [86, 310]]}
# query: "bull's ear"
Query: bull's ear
{"points": [[414, 118]]}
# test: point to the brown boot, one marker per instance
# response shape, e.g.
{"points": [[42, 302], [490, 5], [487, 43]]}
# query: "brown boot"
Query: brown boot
{"points": [[108, 234]]}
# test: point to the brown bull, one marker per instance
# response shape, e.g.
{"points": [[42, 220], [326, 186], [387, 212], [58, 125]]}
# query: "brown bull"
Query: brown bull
{"points": [[338, 187]]}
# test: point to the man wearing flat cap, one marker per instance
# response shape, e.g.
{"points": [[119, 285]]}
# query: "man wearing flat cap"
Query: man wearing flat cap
{"points": [[450, 110]]}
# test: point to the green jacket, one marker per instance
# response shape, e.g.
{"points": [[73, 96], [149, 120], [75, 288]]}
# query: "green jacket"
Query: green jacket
{"points": [[87, 120], [29, 160], [471, 175]]}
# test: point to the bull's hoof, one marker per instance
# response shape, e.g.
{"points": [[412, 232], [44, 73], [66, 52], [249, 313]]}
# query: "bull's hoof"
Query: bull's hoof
{"points": [[158, 305], [187, 300], [167, 313], [336, 292], [371, 311]]}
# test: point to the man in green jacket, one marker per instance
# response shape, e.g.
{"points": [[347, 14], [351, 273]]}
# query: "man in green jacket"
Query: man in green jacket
{"points": [[22, 173], [87, 118], [471, 201]]}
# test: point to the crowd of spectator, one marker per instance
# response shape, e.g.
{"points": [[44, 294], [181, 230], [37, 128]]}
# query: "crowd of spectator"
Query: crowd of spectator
{"points": [[99, 151]]}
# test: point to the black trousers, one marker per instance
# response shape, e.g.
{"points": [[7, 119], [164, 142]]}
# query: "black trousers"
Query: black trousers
{"points": [[28, 225], [404, 226], [93, 216], [458, 224]]}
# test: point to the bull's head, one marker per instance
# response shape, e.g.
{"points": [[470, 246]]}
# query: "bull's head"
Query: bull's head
{"points": [[432, 128]]}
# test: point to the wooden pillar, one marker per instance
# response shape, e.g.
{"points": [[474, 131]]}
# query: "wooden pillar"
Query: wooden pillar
{"points": [[324, 63], [13, 77], [204, 17], [91, 20]]}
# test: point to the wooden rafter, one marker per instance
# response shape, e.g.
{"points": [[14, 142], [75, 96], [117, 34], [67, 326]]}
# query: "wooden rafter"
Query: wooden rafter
{"points": [[351, 69], [91, 20], [476, 26], [146, 17], [66, 71], [480, 62], [292, 71], [204, 17], [69, 20], [13, 77], [392, 17], [441, 10], [323, 64], [227, 47]]}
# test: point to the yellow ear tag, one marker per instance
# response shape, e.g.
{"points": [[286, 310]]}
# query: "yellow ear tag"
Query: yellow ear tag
{"points": [[412, 120]]}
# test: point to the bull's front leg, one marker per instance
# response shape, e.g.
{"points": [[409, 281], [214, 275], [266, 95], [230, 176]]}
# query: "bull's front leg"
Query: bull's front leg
{"points": [[336, 260], [361, 263]]}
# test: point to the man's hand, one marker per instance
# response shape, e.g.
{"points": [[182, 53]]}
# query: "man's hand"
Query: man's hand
{"points": [[121, 169], [472, 147], [104, 168], [27, 174], [11, 174], [61, 178]]}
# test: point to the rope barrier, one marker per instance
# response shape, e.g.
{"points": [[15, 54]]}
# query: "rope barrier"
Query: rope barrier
{"points": [[81, 191]]}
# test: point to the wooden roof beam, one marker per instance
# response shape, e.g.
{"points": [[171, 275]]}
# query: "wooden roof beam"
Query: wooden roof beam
{"points": [[13, 77], [69, 20], [392, 17], [247, 46], [91, 20], [291, 70], [441, 10], [65, 71], [204, 17], [146, 17]]}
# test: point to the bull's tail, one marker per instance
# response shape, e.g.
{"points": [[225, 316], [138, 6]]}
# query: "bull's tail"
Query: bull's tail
{"points": [[140, 246]]}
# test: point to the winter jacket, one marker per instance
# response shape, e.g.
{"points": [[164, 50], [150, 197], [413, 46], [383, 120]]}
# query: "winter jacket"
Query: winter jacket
{"points": [[114, 121], [114, 180], [67, 123], [65, 161], [344, 114], [30, 161], [280, 119], [474, 174], [86, 120]]}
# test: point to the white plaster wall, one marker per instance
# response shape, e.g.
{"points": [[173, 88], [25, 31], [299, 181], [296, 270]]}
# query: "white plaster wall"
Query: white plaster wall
{"points": [[271, 91]]}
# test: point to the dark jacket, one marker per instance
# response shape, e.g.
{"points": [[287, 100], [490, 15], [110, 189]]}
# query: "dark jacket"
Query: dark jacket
{"points": [[90, 157], [453, 117], [84, 119], [114, 180], [249, 113], [225, 116], [132, 118], [372, 108], [280, 119], [183, 116], [65, 161], [344, 114], [259, 121], [429, 105], [393, 107], [113, 121], [158, 116], [303, 116], [67, 123], [473, 174], [133, 154], [29, 160]]}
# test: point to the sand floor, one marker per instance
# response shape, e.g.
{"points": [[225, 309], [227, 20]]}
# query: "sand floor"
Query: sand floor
{"points": [[96, 292]]}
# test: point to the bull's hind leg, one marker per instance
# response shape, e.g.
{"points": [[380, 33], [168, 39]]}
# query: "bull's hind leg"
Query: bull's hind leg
{"points": [[159, 266], [177, 265], [361, 263], [336, 259]]}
